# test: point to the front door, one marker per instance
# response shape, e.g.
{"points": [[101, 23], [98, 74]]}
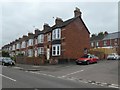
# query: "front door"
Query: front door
{"points": [[48, 54]]}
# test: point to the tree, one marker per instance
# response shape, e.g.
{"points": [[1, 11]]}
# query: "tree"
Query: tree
{"points": [[93, 35], [105, 33], [100, 33], [5, 54]]}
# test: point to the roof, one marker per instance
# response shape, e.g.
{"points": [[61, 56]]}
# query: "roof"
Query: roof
{"points": [[97, 38], [112, 35], [66, 23]]}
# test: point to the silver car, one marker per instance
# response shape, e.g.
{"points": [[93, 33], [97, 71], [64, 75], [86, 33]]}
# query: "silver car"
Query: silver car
{"points": [[113, 56], [7, 61]]}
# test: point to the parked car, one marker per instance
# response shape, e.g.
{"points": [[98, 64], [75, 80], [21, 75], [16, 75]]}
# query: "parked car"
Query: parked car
{"points": [[87, 59], [113, 56], [0, 60], [7, 61]]}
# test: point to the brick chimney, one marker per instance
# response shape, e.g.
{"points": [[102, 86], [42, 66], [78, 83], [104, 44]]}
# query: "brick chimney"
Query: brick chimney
{"points": [[58, 21], [77, 12], [37, 31], [46, 26], [24, 36], [30, 34]]}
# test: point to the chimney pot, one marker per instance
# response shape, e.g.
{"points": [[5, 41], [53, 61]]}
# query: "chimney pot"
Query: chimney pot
{"points": [[37, 31], [24, 36], [46, 26], [58, 21], [77, 12]]}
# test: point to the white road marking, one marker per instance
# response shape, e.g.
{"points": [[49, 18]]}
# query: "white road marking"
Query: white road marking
{"points": [[17, 67], [42, 74], [7, 77], [36, 66], [72, 73]]}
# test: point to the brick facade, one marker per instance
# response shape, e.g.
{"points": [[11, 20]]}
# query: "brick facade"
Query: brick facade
{"points": [[64, 40]]}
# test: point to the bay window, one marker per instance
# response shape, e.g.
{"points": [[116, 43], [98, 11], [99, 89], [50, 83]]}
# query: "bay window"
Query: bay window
{"points": [[56, 50], [13, 48], [23, 44], [30, 52], [30, 42], [18, 46], [56, 34], [92, 44], [40, 50], [41, 38]]}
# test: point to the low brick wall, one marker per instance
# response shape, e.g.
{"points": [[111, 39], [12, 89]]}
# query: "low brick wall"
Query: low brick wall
{"points": [[20, 60], [30, 60]]}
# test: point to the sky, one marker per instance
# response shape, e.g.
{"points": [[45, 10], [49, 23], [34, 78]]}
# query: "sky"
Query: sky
{"points": [[19, 18]]}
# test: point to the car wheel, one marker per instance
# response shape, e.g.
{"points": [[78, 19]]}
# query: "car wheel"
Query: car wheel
{"points": [[87, 62], [77, 63], [3, 64]]}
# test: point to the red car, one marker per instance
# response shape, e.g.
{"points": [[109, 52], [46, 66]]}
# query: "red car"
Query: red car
{"points": [[87, 59]]}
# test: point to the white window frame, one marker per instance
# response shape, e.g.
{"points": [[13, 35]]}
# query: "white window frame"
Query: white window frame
{"points": [[56, 34], [30, 52], [105, 43], [23, 44], [40, 50], [57, 50], [18, 46], [30, 42], [92, 44], [41, 38], [97, 44], [13, 48]]}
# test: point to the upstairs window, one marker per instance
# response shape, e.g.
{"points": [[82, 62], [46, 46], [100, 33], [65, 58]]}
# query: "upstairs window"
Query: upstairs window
{"points": [[23, 44], [13, 48], [92, 44], [105, 43], [18, 46], [30, 42], [56, 34], [97, 44], [41, 38]]}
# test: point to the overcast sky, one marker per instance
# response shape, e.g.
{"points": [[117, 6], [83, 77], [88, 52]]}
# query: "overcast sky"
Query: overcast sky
{"points": [[19, 18]]}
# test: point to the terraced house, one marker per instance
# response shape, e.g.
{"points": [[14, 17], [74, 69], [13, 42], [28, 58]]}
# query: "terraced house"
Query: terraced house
{"points": [[66, 40], [110, 41]]}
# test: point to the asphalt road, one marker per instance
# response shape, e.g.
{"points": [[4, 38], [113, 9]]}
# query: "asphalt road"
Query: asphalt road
{"points": [[101, 75]]}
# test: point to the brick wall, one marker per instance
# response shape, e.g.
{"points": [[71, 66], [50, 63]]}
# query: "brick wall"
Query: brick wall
{"points": [[76, 39]]}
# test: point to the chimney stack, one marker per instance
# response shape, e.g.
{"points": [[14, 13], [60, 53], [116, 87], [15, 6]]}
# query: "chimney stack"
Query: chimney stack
{"points": [[24, 36], [77, 12], [58, 21], [46, 26], [37, 31], [30, 34]]}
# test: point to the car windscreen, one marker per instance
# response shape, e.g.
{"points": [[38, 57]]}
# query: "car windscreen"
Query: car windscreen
{"points": [[85, 56]]}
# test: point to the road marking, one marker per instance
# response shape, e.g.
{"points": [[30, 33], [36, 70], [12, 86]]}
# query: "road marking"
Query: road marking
{"points": [[42, 74], [7, 77], [72, 73], [17, 67], [36, 66]]}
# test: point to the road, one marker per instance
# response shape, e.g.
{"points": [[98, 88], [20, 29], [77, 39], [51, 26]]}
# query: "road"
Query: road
{"points": [[101, 75]]}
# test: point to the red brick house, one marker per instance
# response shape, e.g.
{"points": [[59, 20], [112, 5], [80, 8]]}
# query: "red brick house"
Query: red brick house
{"points": [[65, 40], [111, 40]]}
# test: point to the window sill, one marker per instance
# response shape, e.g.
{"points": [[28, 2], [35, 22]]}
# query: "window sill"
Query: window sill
{"points": [[55, 55]]}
